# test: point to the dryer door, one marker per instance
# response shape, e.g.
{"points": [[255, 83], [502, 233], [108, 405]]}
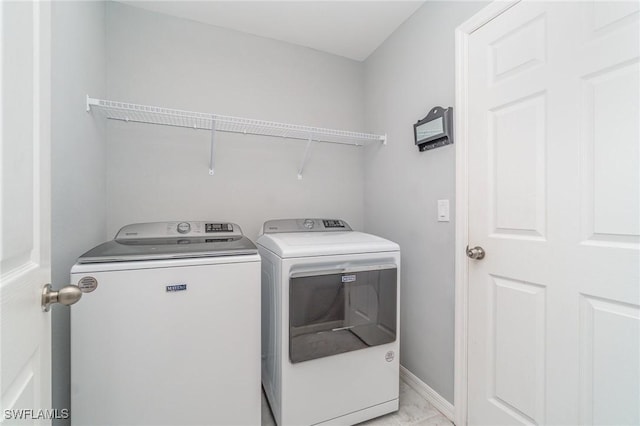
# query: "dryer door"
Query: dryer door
{"points": [[332, 312]]}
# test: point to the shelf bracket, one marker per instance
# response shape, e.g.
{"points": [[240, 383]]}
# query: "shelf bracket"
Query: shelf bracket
{"points": [[307, 152], [91, 101], [213, 146]]}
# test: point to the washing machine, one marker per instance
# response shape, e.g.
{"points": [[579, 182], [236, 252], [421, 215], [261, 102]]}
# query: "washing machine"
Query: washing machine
{"points": [[330, 322], [168, 330]]}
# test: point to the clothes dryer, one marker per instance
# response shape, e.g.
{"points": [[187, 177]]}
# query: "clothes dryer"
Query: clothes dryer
{"points": [[330, 322]]}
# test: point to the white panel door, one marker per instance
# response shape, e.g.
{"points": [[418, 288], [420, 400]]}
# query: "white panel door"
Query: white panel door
{"points": [[554, 194], [25, 347]]}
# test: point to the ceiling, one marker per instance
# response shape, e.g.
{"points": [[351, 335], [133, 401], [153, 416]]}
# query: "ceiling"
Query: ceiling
{"points": [[353, 29]]}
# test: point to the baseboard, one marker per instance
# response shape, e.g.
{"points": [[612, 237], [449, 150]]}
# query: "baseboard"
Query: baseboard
{"points": [[434, 398]]}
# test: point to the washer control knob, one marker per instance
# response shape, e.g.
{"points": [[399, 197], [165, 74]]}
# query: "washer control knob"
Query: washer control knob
{"points": [[184, 227], [308, 223]]}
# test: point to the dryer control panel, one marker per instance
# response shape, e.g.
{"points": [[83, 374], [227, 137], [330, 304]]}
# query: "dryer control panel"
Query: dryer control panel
{"points": [[305, 225]]}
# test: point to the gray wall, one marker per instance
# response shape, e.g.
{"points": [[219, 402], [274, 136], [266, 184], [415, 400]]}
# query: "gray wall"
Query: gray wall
{"points": [[410, 73], [145, 173], [159, 173], [78, 163]]}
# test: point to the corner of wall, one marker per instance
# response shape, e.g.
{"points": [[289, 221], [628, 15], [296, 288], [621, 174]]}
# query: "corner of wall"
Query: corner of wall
{"points": [[412, 71], [78, 198]]}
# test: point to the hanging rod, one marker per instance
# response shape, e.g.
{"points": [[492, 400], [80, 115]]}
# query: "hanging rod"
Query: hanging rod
{"points": [[223, 123]]}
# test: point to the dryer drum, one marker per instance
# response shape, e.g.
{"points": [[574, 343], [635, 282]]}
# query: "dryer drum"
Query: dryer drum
{"points": [[329, 315]]}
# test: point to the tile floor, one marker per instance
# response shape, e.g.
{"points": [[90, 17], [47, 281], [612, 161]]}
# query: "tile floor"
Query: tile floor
{"points": [[414, 410]]}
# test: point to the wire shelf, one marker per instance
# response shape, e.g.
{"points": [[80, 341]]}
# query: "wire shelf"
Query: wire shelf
{"points": [[223, 123]]}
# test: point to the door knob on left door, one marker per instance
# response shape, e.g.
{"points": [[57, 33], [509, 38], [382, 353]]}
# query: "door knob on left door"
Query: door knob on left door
{"points": [[67, 295]]}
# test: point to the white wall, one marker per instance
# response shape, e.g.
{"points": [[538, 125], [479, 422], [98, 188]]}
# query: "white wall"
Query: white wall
{"points": [[410, 73], [78, 188], [159, 173]]}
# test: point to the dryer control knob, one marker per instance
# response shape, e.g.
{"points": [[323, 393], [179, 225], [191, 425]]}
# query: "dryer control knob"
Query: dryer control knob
{"points": [[184, 227], [308, 223]]}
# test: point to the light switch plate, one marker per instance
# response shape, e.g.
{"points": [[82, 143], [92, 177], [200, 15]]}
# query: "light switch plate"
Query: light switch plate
{"points": [[443, 210]]}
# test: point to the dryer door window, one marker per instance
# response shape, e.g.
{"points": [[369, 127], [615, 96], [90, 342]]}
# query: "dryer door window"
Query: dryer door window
{"points": [[336, 312]]}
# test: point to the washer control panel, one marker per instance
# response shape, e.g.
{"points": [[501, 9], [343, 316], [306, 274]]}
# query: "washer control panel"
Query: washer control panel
{"points": [[305, 225], [178, 229]]}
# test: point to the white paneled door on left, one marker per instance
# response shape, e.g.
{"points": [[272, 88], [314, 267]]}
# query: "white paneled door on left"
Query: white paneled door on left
{"points": [[554, 200], [25, 347]]}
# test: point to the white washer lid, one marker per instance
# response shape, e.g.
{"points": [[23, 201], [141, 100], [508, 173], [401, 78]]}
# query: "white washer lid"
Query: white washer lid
{"points": [[307, 244]]}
